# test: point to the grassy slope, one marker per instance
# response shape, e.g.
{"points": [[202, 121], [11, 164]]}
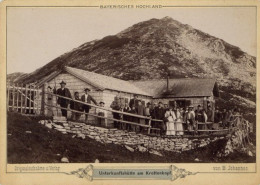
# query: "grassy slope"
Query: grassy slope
{"points": [[43, 145]]}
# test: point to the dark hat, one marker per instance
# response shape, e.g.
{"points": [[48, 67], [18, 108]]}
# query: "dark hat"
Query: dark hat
{"points": [[101, 102], [62, 82], [160, 102], [49, 87], [148, 103], [86, 89]]}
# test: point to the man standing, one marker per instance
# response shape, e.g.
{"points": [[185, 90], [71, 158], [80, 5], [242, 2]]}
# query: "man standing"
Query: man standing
{"points": [[141, 112], [49, 102], [159, 114], [62, 101], [134, 101], [87, 99]]}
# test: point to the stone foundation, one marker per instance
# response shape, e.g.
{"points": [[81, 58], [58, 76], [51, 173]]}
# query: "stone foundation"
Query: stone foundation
{"points": [[132, 141]]}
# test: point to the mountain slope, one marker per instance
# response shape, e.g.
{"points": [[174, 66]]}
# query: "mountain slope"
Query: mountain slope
{"points": [[158, 47]]}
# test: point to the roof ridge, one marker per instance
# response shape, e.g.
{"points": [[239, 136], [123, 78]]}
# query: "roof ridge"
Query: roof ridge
{"points": [[72, 70]]}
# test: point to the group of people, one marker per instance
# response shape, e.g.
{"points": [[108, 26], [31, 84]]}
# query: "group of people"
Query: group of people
{"points": [[65, 99], [169, 119]]}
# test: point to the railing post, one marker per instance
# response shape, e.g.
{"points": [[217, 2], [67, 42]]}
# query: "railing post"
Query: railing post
{"points": [[34, 100], [17, 97], [13, 91], [43, 99], [21, 98], [149, 123], [25, 99], [30, 98], [38, 103], [8, 94]]}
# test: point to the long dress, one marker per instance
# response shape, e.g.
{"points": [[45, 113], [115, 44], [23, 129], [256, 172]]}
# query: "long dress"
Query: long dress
{"points": [[179, 125], [170, 115]]}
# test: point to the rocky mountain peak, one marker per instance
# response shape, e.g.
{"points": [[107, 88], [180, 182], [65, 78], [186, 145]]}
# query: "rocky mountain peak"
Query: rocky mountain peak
{"points": [[154, 48]]}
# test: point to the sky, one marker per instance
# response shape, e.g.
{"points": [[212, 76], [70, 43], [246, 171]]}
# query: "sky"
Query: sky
{"points": [[37, 35]]}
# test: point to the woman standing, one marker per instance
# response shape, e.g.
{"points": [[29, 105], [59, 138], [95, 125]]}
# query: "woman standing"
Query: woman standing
{"points": [[49, 102], [179, 121], [170, 118]]}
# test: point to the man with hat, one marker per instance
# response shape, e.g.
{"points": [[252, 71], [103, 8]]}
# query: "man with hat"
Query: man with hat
{"points": [[134, 101], [62, 101], [87, 99]]}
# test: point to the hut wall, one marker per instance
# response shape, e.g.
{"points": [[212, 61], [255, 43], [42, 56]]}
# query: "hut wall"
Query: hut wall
{"points": [[111, 97], [74, 84], [194, 101]]}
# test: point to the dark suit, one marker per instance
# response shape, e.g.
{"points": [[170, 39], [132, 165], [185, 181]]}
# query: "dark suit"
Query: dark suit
{"points": [[63, 102], [133, 102], [87, 107]]}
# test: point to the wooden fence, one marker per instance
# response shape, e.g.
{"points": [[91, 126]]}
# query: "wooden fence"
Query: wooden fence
{"points": [[148, 126], [25, 99]]}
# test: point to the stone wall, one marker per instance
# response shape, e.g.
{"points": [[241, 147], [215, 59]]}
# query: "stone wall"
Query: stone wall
{"points": [[131, 140]]}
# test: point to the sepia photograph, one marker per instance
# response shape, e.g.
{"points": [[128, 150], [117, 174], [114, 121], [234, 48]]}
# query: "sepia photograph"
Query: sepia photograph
{"points": [[122, 85]]}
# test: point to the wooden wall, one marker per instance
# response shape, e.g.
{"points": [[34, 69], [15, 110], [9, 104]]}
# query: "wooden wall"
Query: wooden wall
{"points": [[109, 97], [195, 101], [74, 84]]}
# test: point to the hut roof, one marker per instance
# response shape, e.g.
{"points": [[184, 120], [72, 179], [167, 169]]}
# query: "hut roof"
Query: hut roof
{"points": [[100, 81], [182, 87]]}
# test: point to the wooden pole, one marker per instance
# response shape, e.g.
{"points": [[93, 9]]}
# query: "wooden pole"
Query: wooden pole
{"points": [[13, 96], [149, 123], [22, 99], [8, 94], [43, 99], [38, 97], [30, 98], [25, 100], [17, 98], [34, 100]]}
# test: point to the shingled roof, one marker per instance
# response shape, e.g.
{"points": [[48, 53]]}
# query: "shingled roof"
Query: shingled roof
{"points": [[182, 87], [105, 82]]}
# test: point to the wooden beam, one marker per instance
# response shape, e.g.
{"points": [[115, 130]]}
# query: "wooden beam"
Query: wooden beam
{"points": [[115, 111], [26, 96], [30, 97], [17, 98], [123, 121], [22, 100], [8, 94]]}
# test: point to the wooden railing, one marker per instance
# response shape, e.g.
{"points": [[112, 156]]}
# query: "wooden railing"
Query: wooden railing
{"points": [[128, 114], [106, 109], [23, 99]]}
